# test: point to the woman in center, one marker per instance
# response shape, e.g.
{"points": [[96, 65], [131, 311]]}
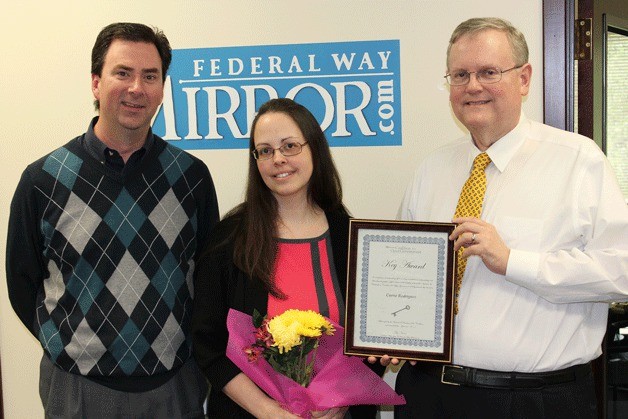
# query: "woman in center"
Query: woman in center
{"points": [[284, 247]]}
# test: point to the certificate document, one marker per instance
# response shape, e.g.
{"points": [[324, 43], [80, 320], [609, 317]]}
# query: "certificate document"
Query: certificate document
{"points": [[400, 290]]}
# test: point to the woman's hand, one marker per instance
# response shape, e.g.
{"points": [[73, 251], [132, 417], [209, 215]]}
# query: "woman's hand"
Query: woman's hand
{"points": [[274, 411], [248, 395], [334, 413]]}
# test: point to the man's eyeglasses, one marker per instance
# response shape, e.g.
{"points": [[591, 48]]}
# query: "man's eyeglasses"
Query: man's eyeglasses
{"points": [[485, 76], [287, 149]]}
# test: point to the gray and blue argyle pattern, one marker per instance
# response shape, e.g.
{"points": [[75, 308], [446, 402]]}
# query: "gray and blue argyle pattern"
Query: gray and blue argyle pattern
{"points": [[119, 252]]}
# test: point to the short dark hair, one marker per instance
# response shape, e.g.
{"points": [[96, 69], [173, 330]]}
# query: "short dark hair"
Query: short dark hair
{"points": [[134, 32]]}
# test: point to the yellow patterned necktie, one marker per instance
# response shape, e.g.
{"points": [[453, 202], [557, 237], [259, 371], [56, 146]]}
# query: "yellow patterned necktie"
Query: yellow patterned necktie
{"points": [[470, 205]]}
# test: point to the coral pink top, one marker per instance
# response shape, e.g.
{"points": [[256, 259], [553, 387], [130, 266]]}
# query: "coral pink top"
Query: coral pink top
{"points": [[305, 273]]}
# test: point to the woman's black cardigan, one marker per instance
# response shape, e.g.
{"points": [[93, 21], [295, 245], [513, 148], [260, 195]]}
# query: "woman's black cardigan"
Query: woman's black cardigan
{"points": [[220, 285]]}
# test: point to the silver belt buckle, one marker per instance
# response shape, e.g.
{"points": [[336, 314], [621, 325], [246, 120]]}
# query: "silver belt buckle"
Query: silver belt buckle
{"points": [[442, 375]]}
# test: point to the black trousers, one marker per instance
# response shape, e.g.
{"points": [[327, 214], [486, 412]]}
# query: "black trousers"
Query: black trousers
{"points": [[427, 397]]}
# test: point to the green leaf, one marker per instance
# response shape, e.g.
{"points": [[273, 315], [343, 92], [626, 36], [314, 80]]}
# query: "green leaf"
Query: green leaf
{"points": [[309, 344], [258, 319]]}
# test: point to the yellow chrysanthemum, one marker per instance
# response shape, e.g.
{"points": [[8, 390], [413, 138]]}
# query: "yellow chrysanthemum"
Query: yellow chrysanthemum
{"points": [[289, 328]]}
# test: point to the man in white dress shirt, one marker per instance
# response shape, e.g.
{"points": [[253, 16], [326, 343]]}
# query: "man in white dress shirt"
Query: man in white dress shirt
{"points": [[544, 259]]}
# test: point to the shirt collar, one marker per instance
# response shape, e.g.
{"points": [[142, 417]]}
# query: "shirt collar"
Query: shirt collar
{"points": [[97, 149], [502, 150]]}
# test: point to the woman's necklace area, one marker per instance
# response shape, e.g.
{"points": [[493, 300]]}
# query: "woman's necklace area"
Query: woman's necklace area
{"points": [[314, 225]]}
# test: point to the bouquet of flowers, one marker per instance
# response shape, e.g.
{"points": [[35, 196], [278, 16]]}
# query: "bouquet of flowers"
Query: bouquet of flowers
{"points": [[335, 379], [289, 342]]}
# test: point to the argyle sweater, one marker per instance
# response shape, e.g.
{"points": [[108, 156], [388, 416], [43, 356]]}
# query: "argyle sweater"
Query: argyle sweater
{"points": [[100, 265]]}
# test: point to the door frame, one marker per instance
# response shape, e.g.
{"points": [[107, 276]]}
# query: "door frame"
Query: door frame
{"points": [[558, 63]]}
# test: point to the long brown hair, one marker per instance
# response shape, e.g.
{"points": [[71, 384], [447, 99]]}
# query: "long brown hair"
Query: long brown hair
{"points": [[255, 247]]}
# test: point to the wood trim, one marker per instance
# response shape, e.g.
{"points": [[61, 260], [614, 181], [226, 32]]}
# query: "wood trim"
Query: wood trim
{"points": [[586, 81], [558, 63]]}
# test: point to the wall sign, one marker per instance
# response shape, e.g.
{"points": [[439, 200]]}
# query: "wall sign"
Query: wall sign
{"points": [[352, 88]]}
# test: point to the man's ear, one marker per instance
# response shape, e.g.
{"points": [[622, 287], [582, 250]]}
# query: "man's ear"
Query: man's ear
{"points": [[96, 86], [525, 77]]}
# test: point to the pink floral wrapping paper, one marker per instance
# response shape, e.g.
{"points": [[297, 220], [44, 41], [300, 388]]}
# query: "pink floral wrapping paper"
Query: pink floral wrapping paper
{"points": [[339, 380]]}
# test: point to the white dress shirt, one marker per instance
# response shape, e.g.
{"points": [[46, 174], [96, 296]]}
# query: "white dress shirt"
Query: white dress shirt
{"points": [[555, 202]]}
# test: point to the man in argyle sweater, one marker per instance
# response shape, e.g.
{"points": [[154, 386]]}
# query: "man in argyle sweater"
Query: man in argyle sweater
{"points": [[102, 242]]}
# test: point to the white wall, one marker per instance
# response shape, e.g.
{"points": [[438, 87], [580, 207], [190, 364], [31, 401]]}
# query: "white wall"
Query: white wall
{"points": [[45, 99]]}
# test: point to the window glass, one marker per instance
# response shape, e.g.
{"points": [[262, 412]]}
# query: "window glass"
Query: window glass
{"points": [[617, 106]]}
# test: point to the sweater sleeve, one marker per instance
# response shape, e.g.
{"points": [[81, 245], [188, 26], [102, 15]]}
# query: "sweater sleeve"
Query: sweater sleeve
{"points": [[25, 267], [209, 214]]}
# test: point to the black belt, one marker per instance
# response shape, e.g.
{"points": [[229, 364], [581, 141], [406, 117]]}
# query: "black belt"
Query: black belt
{"points": [[474, 377]]}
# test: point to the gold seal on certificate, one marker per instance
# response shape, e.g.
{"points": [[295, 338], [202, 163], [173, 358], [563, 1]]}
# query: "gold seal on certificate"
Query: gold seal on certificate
{"points": [[400, 289]]}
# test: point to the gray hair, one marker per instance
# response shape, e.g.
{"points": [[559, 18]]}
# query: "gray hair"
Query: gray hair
{"points": [[515, 37]]}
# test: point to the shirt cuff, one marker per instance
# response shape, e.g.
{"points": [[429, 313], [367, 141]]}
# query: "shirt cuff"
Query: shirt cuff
{"points": [[523, 267]]}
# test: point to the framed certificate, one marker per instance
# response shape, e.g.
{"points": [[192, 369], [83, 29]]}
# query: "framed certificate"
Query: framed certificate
{"points": [[400, 290]]}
